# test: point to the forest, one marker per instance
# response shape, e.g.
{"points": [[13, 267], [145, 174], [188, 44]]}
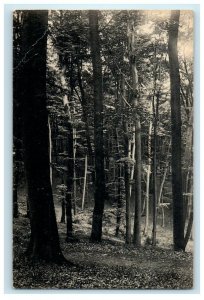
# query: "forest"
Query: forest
{"points": [[103, 149]]}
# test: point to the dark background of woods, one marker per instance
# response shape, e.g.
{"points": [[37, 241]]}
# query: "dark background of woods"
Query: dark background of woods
{"points": [[103, 118]]}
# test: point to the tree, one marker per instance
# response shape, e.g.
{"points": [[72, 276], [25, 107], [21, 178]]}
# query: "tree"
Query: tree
{"points": [[137, 134], [178, 206], [99, 194], [17, 138], [44, 241]]}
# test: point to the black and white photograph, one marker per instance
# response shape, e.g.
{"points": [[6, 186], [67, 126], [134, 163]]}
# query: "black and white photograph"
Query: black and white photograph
{"points": [[103, 149]]}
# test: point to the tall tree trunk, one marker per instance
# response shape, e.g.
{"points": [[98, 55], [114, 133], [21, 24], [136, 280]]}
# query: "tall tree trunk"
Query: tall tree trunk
{"points": [[137, 222], [164, 175], [132, 157], [84, 109], [138, 163], [119, 187], [119, 201], [178, 205], [84, 185], [17, 119], [127, 154], [69, 181], [16, 175], [128, 207], [154, 211], [70, 168], [15, 194], [44, 241], [74, 170], [50, 149], [99, 195], [84, 105], [148, 178], [63, 206]]}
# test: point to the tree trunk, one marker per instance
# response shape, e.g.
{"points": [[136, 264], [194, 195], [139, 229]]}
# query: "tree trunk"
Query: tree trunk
{"points": [[132, 157], [99, 195], [69, 181], [15, 193], [138, 163], [50, 149], [148, 179], [127, 197], [120, 187], [44, 241], [127, 154], [16, 175], [154, 211], [63, 205], [62, 220], [74, 170], [164, 175], [84, 185], [17, 119], [119, 201], [137, 223], [178, 205]]}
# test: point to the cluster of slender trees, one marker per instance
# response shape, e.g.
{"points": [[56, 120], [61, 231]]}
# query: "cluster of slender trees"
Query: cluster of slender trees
{"points": [[32, 126]]}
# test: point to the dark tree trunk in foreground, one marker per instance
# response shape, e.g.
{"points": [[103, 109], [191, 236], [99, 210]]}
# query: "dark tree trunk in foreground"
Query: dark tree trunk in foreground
{"points": [[44, 241], [15, 193], [99, 195], [178, 206], [17, 120]]}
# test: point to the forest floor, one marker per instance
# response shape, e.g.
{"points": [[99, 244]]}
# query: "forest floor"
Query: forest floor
{"points": [[107, 265]]}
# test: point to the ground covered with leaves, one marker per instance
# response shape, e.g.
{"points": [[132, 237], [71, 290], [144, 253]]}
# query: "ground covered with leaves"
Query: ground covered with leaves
{"points": [[107, 265]]}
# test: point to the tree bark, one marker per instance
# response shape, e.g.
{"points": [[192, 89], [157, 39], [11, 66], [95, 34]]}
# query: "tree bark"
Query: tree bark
{"points": [[84, 185], [69, 181], [156, 113], [164, 175], [148, 178], [178, 205], [44, 242], [137, 127], [99, 195], [63, 206], [138, 162], [126, 172]]}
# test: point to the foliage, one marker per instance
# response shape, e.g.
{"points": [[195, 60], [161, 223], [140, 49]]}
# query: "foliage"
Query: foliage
{"points": [[110, 265]]}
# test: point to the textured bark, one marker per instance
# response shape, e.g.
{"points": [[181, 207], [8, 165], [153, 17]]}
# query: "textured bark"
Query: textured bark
{"points": [[69, 181], [126, 171], [99, 195], [138, 162], [178, 205], [63, 205], [189, 229], [128, 208], [119, 202], [148, 179], [137, 127], [84, 184], [44, 242], [154, 210], [84, 104], [17, 119], [16, 175], [164, 175]]}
